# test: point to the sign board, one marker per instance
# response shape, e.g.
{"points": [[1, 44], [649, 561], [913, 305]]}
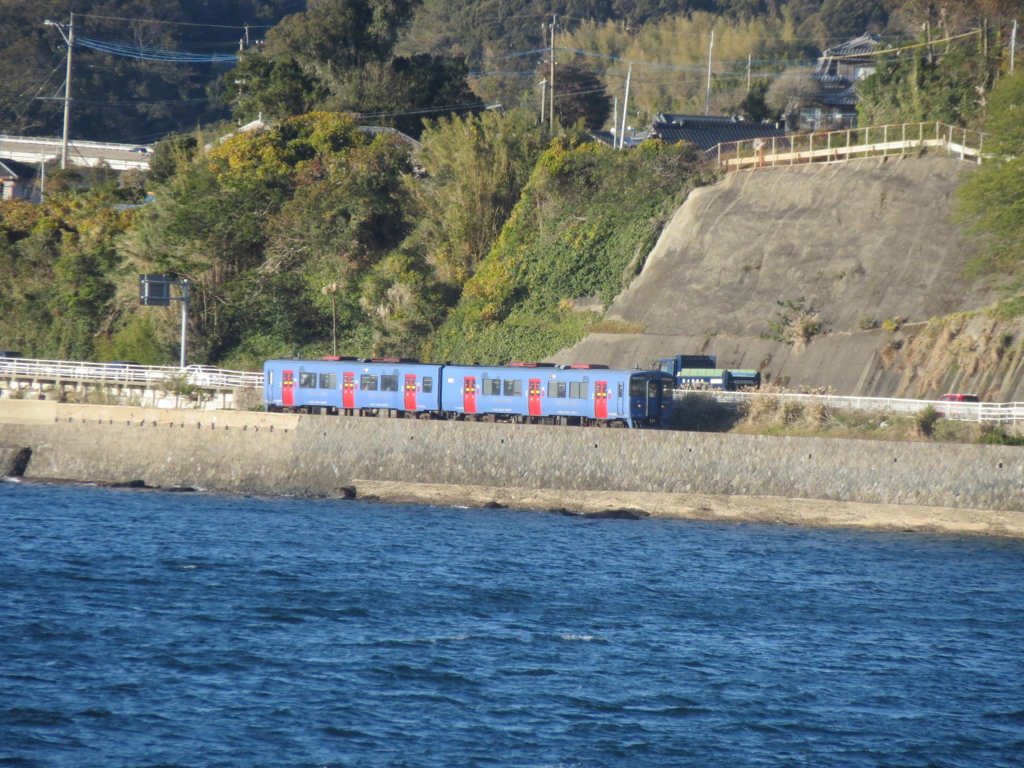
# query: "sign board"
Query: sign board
{"points": [[155, 290]]}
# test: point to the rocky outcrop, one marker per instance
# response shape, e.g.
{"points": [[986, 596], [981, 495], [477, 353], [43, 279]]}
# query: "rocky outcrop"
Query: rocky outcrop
{"points": [[14, 460]]}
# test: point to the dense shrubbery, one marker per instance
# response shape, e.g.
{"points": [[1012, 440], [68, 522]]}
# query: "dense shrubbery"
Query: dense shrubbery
{"points": [[584, 226], [57, 270]]}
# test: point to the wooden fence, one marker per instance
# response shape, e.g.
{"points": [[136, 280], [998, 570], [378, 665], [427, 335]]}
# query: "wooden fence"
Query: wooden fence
{"points": [[853, 143]]}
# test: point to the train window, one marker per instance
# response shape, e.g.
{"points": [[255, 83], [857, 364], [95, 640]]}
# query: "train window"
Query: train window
{"points": [[556, 389], [512, 388], [653, 388], [636, 386], [389, 383], [328, 380], [620, 389], [307, 380], [368, 381], [270, 379], [428, 384], [491, 387], [578, 389]]}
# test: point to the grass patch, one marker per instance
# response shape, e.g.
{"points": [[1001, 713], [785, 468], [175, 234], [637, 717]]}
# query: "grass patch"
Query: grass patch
{"points": [[617, 326], [769, 414], [1008, 309]]}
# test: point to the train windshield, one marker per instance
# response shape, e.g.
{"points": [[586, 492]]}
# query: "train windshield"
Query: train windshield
{"points": [[636, 386], [653, 388]]}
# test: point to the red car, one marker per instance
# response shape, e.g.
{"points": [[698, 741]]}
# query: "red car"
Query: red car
{"points": [[955, 411]]}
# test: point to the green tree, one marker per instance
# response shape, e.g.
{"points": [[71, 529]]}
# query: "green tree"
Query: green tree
{"points": [[260, 223], [580, 95], [583, 226], [991, 201], [950, 89], [273, 88], [477, 168], [340, 34], [402, 91]]}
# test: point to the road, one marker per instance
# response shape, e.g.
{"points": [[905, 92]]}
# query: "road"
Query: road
{"points": [[27, 149]]}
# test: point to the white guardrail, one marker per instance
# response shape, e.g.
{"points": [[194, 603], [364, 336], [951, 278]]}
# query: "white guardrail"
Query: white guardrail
{"points": [[10, 141], [126, 373], [1004, 413]]}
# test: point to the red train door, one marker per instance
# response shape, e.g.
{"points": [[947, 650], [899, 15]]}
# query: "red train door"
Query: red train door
{"points": [[534, 397], [601, 399], [410, 391], [469, 394], [348, 390], [288, 387]]}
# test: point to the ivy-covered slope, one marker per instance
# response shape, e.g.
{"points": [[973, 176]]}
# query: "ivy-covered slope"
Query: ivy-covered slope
{"points": [[584, 225]]}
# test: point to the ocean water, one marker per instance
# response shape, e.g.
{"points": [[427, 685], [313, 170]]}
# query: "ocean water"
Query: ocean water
{"points": [[143, 628]]}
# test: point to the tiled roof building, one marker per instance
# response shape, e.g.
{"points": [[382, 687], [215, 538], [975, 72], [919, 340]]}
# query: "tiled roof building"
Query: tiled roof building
{"points": [[834, 106], [707, 132]]}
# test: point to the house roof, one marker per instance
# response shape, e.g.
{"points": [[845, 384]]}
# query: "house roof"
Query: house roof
{"points": [[707, 132], [866, 43], [835, 91], [12, 169]]}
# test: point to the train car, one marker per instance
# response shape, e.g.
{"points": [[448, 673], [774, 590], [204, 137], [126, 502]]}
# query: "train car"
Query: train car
{"points": [[547, 394], [353, 386]]}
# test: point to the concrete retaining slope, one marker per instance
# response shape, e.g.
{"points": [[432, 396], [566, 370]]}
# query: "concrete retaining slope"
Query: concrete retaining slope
{"points": [[319, 455], [866, 239]]}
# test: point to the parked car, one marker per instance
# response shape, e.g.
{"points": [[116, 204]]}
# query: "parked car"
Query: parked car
{"points": [[952, 412]]}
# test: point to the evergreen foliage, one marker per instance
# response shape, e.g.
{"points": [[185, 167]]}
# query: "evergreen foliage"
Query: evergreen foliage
{"points": [[992, 199], [583, 227], [57, 267]]}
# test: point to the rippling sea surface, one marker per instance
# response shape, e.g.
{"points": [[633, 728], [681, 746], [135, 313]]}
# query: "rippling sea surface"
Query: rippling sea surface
{"points": [[157, 629]]}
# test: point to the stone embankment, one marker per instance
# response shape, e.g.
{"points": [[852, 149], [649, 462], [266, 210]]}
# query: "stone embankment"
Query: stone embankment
{"points": [[812, 481]]}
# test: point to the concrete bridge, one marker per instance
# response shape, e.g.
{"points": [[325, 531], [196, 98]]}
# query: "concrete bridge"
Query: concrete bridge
{"points": [[119, 383], [120, 157]]}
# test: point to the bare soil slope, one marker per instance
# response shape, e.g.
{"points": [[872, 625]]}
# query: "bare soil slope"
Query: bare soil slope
{"points": [[871, 239]]}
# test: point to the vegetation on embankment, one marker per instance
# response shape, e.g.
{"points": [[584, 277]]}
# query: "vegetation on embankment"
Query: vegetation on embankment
{"points": [[769, 413], [583, 228]]}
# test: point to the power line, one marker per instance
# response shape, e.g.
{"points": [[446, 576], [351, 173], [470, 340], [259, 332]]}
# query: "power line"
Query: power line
{"points": [[155, 54], [425, 111], [142, 103], [180, 23]]}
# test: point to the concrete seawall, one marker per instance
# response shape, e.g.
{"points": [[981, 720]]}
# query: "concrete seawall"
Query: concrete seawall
{"points": [[972, 488]]}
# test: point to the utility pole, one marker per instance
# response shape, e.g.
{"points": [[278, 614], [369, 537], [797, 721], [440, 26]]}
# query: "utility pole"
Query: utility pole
{"points": [[552, 75], [625, 103], [69, 38], [707, 97], [184, 320], [749, 57], [543, 96], [1013, 44]]}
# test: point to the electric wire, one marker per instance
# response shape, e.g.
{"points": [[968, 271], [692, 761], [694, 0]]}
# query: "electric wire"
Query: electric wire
{"points": [[154, 54], [179, 23]]}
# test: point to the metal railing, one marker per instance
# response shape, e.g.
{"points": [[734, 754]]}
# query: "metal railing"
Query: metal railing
{"points": [[850, 144], [1001, 413], [53, 371]]}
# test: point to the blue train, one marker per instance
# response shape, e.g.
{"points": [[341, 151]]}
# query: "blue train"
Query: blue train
{"points": [[522, 393]]}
